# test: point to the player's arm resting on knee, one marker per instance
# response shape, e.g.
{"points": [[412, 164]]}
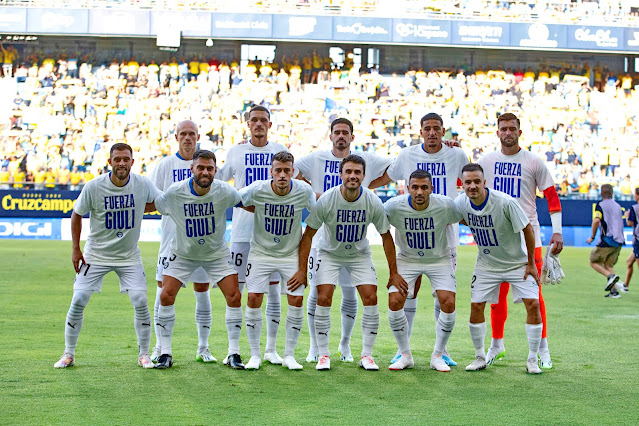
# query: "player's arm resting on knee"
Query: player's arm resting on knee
{"points": [[554, 208], [380, 181], [76, 229], [531, 268], [394, 278], [299, 278]]}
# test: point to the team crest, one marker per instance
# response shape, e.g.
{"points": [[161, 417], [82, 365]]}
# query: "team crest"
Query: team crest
{"points": [[277, 240], [200, 241], [120, 234]]}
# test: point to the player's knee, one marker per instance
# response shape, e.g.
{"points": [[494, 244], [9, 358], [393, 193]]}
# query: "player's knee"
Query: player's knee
{"points": [[254, 300], [138, 298], [296, 301], [234, 299], [81, 298], [324, 299], [369, 299], [396, 301], [167, 298], [448, 305]]}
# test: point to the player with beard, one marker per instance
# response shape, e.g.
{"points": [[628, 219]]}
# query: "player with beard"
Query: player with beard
{"points": [[247, 163], [444, 163], [116, 201], [322, 170], [519, 173], [198, 208], [171, 169]]}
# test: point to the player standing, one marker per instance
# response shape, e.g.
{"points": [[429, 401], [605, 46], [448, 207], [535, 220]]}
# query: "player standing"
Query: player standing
{"points": [[504, 255], [322, 170], [420, 220], [346, 211], [171, 169], [519, 173], [116, 201], [444, 164], [277, 228], [633, 258], [198, 208], [248, 163]]}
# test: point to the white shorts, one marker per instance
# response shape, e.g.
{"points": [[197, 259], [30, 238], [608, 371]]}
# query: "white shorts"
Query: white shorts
{"points": [[360, 270], [344, 279], [485, 285], [239, 258], [260, 269], [181, 269], [90, 277], [441, 276], [198, 276]]}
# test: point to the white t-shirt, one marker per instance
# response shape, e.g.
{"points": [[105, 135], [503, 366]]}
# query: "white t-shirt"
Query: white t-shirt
{"points": [[321, 168], [519, 176], [277, 226], [246, 164], [346, 223], [200, 219], [169, 170], [445, 166], [497, 228], [116, 218], [421, 235]]}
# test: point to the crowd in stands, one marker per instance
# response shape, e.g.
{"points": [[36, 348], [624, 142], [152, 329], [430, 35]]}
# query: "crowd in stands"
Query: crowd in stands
{"points": [[550, 11], [68, 111]]}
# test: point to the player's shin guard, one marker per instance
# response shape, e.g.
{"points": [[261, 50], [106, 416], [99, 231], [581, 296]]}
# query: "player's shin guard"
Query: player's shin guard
{"points": [[74, 319], [156, 308], [322, 328], [399, 326], [348, 310], [311, 304], [273, 314], [533, 331], [370, 326], [142, 320], [478, 334], [443, 329], [294, 321], [234, 328], [166, 322], [410, 310], [203, 317], [499, 312], [253, 320]]}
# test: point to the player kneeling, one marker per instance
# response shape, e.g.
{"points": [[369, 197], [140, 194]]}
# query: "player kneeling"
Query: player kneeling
{"points": [[497, 221], [277, 206], [420, 221]]}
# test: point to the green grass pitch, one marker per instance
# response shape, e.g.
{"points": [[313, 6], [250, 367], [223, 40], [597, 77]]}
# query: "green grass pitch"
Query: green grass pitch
{"points": [[593, 341]]}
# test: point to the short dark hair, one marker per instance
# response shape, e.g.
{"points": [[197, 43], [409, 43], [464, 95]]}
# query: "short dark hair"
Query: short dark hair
{"points": [[259, 108], [204, 153], [473, 167], [120, 147], [507, 117], [283, 157], [342, 121], [420, 174], [352, 159], [637, 190], [431, 116], [606, 190]]}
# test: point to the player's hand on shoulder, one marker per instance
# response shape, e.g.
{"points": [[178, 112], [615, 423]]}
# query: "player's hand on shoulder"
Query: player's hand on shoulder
{"points": [[78, 259], [297, 280]]}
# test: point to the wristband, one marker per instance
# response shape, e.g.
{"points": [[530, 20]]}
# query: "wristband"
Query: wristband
{"points": [[555, 218]]}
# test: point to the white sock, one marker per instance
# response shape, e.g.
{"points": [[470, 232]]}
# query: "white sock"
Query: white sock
{"points": [[294, 321], [166, 322], [156, 307], [322, 328], [478, 334], [203, 317], [453, 258], [348, 310], [141, 320], [74, 319], [399, 326], [497, 343], [533, 331], [543, 345], [410, 310], [253, 321], [273, 314], [437, 308], [370, 327], [311, 304], [234, 328], [443, 328]]}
